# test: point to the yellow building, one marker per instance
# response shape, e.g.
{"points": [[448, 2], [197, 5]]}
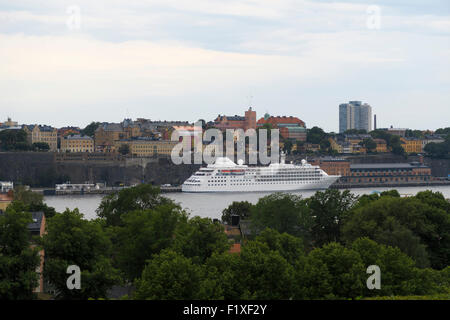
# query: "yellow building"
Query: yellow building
{"points": [[381, 145], [107, 134], [335, 146], [411, 145], [147, 147], [38, 133], [77, 143], [357, 148]]}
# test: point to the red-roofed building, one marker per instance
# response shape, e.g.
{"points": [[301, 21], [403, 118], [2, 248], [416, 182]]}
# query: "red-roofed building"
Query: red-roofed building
{"points": [[235, 248], [290, 127], [236, 122]]}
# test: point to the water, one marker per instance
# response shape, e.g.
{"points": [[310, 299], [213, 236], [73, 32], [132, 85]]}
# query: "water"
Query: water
{"points": [[208, 204]]}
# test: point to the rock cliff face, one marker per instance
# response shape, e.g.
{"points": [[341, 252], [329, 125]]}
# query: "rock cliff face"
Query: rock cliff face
{"points": [[43, 170]]}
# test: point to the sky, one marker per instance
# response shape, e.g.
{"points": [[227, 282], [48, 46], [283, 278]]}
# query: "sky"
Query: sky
{"points": [[67, 63]]}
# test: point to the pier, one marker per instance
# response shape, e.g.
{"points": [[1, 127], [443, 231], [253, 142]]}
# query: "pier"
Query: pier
{"points": [[435, 183], [82, 190]]}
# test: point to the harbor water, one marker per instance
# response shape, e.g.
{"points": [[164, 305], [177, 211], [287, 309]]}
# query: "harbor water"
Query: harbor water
{"points": [[209, 204]]}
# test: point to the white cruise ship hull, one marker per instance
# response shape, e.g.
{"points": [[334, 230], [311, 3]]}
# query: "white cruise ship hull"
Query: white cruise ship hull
{"points": [[225, 176], [271, 187]]}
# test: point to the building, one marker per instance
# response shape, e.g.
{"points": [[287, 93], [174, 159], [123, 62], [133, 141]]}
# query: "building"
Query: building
{"points": [[381, 145], [355, 115], [332, 166], [5, 201], [411, 145], [248, 121], [290, 127], [42, 133], [77, 143], [431, 138], [309, 147], [65, 131], [9, 125], [37, 228], [144, 147], [401, 132], [6, 186], [388, 172], [107, 134]]}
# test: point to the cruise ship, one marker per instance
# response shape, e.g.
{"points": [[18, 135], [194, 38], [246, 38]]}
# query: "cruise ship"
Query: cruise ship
{"points": [[226, 176]]}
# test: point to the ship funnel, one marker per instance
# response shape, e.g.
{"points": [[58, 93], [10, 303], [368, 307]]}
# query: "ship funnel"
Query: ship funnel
{"points": [[282, 157]]}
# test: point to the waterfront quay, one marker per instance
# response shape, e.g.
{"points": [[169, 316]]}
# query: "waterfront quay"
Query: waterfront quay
{"points": [[86, 191], [349, 185], [171, 189]]}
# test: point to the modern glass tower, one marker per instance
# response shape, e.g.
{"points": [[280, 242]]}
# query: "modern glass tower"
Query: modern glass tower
{"points": [[355, 115]]}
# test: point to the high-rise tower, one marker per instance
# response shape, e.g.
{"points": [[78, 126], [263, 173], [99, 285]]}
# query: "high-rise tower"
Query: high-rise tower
{"points": [[355, 115]]}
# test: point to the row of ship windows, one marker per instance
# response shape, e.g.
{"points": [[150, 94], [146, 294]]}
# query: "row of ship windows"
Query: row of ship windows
{"points": [[278, 174], [251, 184], [274, 178]]}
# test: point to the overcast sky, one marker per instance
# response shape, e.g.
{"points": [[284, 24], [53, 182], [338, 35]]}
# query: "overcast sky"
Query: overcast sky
{"points": [[72, 62]]}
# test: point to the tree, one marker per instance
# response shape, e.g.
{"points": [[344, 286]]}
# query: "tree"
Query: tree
{"points": [[369, 144], [315, 135], [237, 208], [40, 146], [332, 271], [199, 238], [224, 270], [443, 131], [283, 212], [287, 146], [171, 276], [27, 197], [71, 240], [18, 261], [329, 209], [355, 131], [142, 234], [398, 150], [90, 129], [437, 234], [289, 247], [414, 133], [141, 197], [397, 269], [124, 149], [264, 273], [438, 150], [11, 140], [29, 201], [392, 141], [417, 228]]}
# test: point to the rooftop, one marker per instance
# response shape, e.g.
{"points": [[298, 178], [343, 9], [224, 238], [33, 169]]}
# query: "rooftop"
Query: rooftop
{"points": [[77, 137], [387, 166], [35, 226]]}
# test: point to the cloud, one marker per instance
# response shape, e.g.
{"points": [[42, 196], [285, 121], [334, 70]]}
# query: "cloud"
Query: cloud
{"points": [[208, 54]]}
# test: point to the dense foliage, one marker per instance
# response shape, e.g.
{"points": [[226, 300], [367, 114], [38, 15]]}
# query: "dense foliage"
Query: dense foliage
{"points": [[299, 248], [439, 150], [18, 261], [14, 140], [71, 240]]}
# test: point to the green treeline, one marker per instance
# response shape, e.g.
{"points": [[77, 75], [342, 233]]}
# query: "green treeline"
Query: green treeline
{"points": [[297, 248]]}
